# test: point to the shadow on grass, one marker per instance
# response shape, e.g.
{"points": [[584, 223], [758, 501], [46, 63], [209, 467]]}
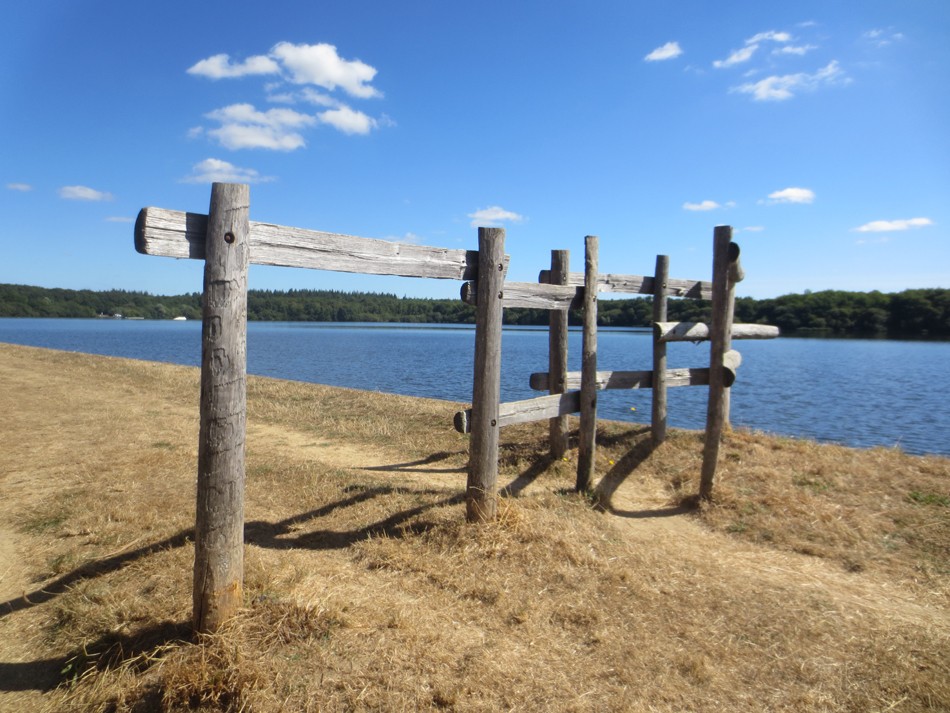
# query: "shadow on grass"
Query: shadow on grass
{"points": [[275, 535], [91, 570], [414, 466], [109, 651]]}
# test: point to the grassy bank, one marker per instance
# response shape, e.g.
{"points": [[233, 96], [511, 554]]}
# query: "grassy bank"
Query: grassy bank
{"points": [[818, 580]]}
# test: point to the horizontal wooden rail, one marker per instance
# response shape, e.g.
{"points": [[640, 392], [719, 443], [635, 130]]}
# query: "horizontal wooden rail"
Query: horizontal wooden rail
{"points": [[526, 411], [698, 331], [638, 285], [528, 294], [539, 381], [178, 234]]}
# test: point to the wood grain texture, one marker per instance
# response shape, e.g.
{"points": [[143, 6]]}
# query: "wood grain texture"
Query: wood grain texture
{"points": [[587, 438], [558, 428], [177, 234], [699, 331], [219, 520], [720, 330], [527, 294], [480, 494], [526, 411], [639, 285]]}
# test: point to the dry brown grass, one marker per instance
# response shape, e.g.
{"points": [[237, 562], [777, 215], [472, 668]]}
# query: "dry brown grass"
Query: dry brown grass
{"points": [[818, 580]]}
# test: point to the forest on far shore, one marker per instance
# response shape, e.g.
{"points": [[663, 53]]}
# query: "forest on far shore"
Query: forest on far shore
{"points": [[911, 313]]}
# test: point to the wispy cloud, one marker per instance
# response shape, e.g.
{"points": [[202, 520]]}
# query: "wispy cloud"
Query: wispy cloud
{"points": [[22, 187], [670, 50], [882, 38], [782, 87], [493, 216], [744, 54], [797, 50], [791, 195], [893, 226], [244, 127], [119, 219], [750, 229], [701, 206], [300, 73], [84, 193], [213, 170]]}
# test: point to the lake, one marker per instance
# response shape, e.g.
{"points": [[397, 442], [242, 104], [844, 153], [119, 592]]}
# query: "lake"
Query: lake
{"points": [[851, 391]]}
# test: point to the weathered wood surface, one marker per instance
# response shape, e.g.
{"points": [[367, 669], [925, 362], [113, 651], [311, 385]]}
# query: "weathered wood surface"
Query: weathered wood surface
{"points": [[724, 254], [526, 411], [527, 294], [178, 234], [658, 405], [558, 428], [699, 331], [219, 521], [639, 285], [615, 380], [480, 494], [587, 438]]}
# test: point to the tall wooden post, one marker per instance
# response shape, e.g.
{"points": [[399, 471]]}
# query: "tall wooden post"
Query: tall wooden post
{"points": [[588, 427], [219, 524], [557, 353], [725, 252], [480, 493], [658, 411]]}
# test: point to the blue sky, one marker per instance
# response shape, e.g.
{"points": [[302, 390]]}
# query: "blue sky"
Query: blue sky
{"points": [[817, 129]]}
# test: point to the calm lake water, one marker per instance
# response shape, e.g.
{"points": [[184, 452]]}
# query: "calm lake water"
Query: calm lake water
{"points": [[856, 392]]}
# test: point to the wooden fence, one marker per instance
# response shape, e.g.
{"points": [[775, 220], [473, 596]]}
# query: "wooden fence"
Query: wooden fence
{"points": [[227, 240]]}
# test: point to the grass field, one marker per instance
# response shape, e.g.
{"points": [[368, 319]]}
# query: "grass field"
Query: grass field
{"points": [[818, 580]]}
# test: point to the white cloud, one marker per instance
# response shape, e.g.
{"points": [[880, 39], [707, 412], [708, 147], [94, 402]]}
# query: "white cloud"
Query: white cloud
{"points": [[119, 219], [882, 38], [22, 187], [792, 195], [492, 216], [244, 127], [321, 65], [779, 88], [770, 36], [84, 193], [737, 57], [668, 51], [348, 120], [751, 229], [704, 205], [797, 50], [893, 226], [213, 170], [220, 66]]}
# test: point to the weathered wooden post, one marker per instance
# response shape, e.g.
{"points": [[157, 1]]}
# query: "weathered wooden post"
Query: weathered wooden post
{"points": [[480, 493], [725, 254], [588, 426], [219, 523], [557, 353], [658, 411]]}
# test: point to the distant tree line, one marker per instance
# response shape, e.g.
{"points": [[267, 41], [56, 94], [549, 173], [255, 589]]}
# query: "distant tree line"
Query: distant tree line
{"points": [[909, 313]]}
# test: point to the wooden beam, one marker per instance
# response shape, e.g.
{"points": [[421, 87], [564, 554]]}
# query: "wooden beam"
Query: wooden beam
{"points": [[480, 493], [178, 234], [658, 404], [616, 380], [638, 285], [219, 520], [526, 411], [527, 294], [587, 438], [557, 354], [698, 331]]}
